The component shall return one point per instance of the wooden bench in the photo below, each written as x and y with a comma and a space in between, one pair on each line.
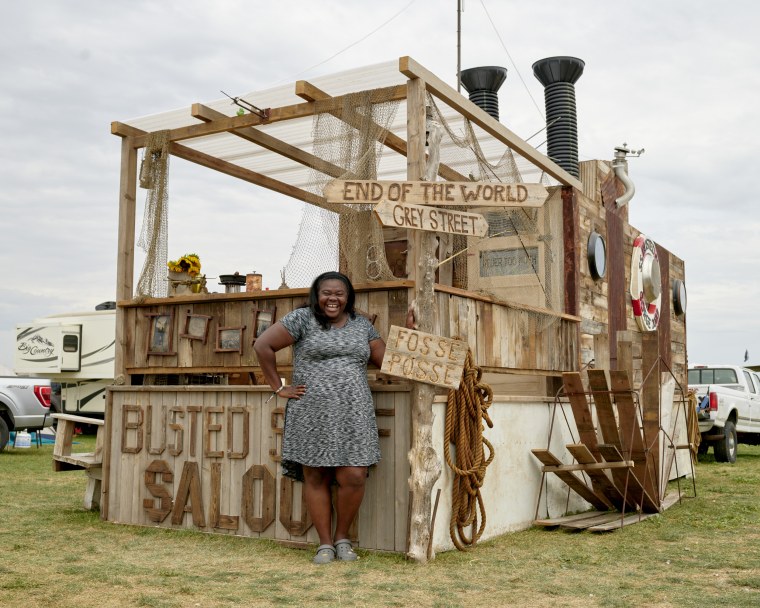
91, 462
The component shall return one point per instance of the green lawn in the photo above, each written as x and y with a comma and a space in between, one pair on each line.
704, 552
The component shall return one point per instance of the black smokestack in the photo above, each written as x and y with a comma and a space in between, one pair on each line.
559, 75
483, 85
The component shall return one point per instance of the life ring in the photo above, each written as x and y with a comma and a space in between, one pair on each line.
646, 283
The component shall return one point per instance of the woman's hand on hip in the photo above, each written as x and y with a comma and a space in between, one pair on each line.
292, 391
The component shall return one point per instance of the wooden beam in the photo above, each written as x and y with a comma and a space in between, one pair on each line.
623, 464
247, 175
125, 254
231, 169
308, 91
605, 412
231, 123
584, 421
576, 483
425, 463
599, 480
650, 406
122, 129
409, 67
265, 140
626, 481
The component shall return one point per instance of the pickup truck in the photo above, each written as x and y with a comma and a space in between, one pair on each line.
728, 408
24, 405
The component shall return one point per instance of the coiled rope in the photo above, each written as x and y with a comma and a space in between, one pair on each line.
466, 410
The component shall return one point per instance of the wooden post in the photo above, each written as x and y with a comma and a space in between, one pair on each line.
650, 407
125, 258
602, 351
625, 354
425, 464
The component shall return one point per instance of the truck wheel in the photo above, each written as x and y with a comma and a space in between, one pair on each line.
4, 435
725, 449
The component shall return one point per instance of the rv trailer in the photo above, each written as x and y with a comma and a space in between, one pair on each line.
75, 350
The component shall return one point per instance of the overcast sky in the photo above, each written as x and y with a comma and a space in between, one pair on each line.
679, 78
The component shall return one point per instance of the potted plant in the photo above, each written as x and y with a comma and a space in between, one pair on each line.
185, 275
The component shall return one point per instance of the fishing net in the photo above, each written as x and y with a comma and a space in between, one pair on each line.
154, 176
515, 262
350, 136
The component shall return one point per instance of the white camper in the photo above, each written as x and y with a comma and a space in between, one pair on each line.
75, 350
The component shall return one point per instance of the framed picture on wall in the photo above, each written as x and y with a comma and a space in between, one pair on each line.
196, 327
262, 320
229, 339
160, 340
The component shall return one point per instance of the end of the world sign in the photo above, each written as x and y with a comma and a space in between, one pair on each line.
470, 194
423, 357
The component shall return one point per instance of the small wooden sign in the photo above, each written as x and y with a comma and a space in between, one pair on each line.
415, 355
420, 217
476, 194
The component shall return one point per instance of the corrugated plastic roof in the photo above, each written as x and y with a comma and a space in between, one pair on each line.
298, 131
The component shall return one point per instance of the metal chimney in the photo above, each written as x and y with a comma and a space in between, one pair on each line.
483, 84
559, 75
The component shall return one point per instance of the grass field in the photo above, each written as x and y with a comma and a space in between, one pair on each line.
704, 552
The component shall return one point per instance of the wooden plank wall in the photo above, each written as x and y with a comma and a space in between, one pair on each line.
605, 306
196, 356
207, 458
508, 337
501, 336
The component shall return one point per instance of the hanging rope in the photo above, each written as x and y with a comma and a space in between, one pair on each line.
466, 410
692, 424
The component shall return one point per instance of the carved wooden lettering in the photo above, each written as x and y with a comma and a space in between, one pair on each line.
210, 428
175, 412
268, 498
130, 423
481, 194
296, 527
149, 432
423, 357
278, 415
193, 411
419, 217
231, 411
158, 490
216, 518
189, 489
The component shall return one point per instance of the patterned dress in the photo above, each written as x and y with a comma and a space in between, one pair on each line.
333, 424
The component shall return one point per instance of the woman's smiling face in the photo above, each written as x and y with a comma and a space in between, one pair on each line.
332, 296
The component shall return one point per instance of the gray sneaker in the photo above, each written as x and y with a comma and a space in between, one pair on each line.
325, 554
344, 551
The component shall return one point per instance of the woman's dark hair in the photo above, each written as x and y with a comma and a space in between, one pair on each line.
314, 296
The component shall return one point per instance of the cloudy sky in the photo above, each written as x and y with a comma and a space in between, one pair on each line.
679, 78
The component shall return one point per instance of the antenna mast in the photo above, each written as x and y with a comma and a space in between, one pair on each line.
459, 45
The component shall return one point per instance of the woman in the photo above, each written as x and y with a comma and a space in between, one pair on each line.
330, 428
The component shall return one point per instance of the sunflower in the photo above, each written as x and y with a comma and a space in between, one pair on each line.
189, 263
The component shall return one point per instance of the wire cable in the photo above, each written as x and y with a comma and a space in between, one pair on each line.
493, 25
353, 44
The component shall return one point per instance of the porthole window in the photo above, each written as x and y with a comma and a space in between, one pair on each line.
679, 297
597, 255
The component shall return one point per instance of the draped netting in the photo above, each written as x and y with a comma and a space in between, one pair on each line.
516, 261
348, 135
154, 176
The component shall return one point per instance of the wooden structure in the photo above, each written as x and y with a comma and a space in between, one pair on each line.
205, 457
91, 462
618, 452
